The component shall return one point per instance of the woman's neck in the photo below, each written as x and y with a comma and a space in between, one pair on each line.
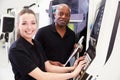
29, 40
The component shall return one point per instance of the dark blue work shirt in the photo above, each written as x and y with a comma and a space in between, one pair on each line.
57, 48
25, 57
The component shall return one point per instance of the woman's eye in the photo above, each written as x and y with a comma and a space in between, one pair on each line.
23, 23
33, 23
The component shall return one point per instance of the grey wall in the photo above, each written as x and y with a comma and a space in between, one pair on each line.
5, 4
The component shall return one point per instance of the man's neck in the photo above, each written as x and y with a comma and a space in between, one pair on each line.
61, 30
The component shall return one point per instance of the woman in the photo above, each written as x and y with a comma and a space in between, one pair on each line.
27, 58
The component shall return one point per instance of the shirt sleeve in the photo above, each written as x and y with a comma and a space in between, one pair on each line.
21, 61
40, 50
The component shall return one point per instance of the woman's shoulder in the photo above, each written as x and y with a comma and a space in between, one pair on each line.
18, 44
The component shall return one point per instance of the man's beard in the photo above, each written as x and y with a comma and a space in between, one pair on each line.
62, 24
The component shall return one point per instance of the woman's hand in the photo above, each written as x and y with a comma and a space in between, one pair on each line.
78, 65
56, 63
78, 60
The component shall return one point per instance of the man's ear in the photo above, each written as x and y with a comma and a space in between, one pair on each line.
54, 14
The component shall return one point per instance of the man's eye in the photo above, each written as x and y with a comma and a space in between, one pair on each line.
68, 15
61, 14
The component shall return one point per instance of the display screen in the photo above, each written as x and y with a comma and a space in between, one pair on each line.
8, 24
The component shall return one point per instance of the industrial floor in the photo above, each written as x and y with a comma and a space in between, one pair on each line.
5, 66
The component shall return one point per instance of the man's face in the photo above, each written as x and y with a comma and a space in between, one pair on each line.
62, 16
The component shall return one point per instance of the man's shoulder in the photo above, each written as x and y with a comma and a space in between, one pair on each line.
45, 28
70, 31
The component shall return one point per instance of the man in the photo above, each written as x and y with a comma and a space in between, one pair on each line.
57, 39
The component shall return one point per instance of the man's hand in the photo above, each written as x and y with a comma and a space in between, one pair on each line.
80, 47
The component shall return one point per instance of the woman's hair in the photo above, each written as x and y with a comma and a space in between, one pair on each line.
23, 11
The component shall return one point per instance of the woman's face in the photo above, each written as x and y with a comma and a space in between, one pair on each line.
27, 25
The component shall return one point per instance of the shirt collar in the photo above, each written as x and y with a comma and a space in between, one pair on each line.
53, 28
26, 43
